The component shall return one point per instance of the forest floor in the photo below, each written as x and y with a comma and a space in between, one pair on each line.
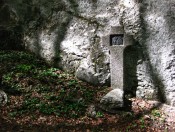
44, 98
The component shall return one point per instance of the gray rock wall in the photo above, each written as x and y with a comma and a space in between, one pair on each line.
82, 50
69, 34
160, 45
152, 25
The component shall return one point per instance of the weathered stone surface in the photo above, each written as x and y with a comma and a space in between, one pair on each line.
112, 101
3, 98
91, 111
69, 34
151, 24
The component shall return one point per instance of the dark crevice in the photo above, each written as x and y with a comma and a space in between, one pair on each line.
131, 57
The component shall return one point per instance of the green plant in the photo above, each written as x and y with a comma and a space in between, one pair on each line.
45, 108
31, 104
8, 80
44, 89
48, 73
156, 113
7, 77
128, 128
131, 126
72, 83
13, 114
23, 67
142, 121
99, 114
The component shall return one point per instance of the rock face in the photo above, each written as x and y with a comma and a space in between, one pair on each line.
68, 34
151, 24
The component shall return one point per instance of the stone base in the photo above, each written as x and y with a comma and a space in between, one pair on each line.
112, 101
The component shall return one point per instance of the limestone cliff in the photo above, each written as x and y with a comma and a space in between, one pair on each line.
68, 34
152, 24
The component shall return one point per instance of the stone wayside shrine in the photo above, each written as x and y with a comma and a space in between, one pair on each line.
116, 41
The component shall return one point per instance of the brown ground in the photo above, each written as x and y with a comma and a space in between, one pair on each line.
144, 116
147, 116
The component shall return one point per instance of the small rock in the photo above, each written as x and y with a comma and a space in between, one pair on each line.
42, 119
112, 100
91, 112
3, 98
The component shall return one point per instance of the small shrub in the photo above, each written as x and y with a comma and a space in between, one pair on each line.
99, 114
23, 68
156, 113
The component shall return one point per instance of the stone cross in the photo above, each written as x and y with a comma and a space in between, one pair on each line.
116, 41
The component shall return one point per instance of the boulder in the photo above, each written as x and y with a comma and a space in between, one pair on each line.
112, 101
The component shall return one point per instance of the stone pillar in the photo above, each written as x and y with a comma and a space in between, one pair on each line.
117, 56
117, 41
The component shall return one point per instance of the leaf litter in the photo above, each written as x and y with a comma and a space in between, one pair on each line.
43, 98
